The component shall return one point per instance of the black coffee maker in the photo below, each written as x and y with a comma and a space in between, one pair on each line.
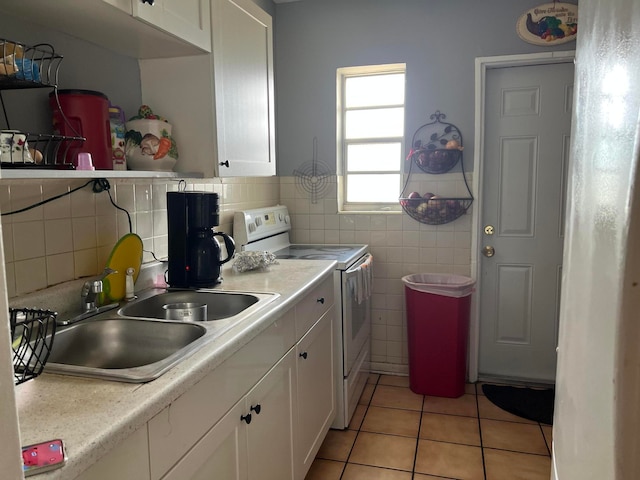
194, 253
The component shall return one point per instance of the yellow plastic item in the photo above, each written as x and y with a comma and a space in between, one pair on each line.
126, 253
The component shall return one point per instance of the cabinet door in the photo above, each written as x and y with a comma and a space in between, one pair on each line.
316, 391
220, 454
243, 69
129, 460
188, 20
270, 433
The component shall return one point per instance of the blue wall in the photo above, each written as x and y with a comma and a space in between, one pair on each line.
437, 39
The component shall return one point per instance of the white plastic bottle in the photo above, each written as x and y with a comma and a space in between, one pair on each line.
129, 293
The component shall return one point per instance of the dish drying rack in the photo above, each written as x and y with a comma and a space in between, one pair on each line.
25, 67
32, 334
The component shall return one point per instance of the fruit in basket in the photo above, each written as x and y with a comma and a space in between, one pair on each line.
422, 208
415, 199
428, 196
453, 145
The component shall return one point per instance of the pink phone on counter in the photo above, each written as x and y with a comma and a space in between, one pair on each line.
42, 457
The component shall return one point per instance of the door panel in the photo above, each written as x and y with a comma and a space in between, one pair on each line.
514, 311
517, 194
527, 128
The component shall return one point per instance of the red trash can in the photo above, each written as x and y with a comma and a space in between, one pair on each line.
438, 308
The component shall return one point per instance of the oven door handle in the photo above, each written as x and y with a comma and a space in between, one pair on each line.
358, 265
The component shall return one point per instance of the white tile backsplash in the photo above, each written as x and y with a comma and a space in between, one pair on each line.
60, 208
83, 202
72, 236
59, 268
30, 275
400, 246
58, 236
28, 240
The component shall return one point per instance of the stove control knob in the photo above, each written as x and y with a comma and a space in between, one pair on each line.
258, 221
280, 217
252, 227
287, 219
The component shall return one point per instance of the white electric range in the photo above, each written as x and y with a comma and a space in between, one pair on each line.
268, 229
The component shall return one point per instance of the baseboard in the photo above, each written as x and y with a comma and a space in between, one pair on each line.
496, 379
389, 368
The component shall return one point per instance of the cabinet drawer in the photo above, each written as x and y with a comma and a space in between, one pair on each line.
179, 426
313, 306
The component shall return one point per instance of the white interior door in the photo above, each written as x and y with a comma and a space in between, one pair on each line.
527, 129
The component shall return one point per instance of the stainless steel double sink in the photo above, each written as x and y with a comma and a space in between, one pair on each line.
137, 343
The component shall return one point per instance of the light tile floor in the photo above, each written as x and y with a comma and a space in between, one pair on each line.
396, 434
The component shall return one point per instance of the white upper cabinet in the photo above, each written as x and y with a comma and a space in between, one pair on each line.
243, 66
168, 28
186, 19
222, 105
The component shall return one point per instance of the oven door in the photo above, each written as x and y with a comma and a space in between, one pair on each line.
356, 316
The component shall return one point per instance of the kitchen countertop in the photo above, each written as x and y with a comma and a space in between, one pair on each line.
92, 416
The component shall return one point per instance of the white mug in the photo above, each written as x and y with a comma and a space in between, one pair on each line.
14, 147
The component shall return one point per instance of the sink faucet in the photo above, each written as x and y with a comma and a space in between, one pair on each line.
91, 289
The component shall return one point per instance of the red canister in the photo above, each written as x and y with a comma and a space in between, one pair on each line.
83, 113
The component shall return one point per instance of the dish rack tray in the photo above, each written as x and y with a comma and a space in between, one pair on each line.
32, 333
26, 67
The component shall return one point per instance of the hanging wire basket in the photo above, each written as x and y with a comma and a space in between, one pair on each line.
428, 155
436, 147
32, 333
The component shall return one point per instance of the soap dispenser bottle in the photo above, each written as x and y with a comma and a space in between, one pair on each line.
128, 286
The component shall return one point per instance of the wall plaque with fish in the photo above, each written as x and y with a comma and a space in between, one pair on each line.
549, 24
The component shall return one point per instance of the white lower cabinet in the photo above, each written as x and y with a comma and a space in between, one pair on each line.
128, 461
220, 454
254, 440
260, 415
272, 407
316, 391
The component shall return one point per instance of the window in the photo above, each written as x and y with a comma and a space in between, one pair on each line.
370, 136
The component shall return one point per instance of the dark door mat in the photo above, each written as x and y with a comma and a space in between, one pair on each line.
530, 403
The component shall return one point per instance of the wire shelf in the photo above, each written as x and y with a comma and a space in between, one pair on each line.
22, 67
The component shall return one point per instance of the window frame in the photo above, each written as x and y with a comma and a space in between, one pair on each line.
342, 143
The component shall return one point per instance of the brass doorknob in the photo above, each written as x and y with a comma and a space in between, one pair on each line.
488, 251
